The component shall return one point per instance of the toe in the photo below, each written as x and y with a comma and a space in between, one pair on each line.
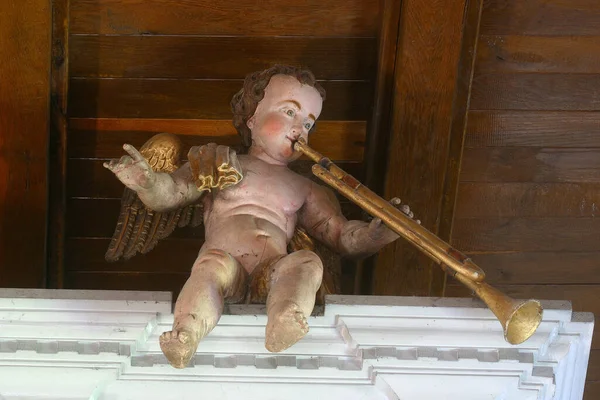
165, 337
183, 337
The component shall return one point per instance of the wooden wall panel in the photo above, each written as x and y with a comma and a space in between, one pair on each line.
564, 54
533, 129
220, 17
533, 91
25, 45
169, 66
541, 17
539, 268
218, 57
531, 164
529, 192
527, 234
508, 200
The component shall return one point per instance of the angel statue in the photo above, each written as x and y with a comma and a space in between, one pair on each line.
253, 208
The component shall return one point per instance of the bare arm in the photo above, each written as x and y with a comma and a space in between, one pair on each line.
159, 191
171, 191
322, 218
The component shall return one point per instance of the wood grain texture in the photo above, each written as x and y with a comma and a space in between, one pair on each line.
219, 57
533, 129
532, 91
592, 390
196, 99
541, 17
220, 17
539, 268
89, 179
25, 45
527, 234
169, 256
338, 139
377, 145
425, 89
531, 164
57, 146
378, 138
593, 372
505, 200
564, 54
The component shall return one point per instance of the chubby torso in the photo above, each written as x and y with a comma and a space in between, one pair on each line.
254, 220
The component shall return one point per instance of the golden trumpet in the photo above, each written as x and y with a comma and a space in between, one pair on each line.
519, 319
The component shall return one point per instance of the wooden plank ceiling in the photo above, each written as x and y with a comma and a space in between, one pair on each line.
141, 68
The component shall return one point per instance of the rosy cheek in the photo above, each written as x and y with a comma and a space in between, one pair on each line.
273, 126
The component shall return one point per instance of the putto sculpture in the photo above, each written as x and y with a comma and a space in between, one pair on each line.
259, 217
252, 206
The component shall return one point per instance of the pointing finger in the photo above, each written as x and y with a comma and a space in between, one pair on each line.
133, 152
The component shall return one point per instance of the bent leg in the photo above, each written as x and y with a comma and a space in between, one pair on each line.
216, 276
294, 282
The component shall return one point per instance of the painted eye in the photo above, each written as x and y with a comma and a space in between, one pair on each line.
307, 126
290, 113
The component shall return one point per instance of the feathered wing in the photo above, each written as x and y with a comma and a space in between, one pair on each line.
139, 228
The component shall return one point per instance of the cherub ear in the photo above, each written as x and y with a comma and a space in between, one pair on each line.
250, 123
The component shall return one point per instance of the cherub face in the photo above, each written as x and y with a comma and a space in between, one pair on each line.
287, 112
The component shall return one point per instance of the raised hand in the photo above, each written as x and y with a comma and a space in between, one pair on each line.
377, 229
132, 170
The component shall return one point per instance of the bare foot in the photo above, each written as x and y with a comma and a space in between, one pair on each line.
179, 347
286, 326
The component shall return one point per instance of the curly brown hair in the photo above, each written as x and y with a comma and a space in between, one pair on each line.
244, 102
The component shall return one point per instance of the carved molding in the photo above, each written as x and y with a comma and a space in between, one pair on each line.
104, 345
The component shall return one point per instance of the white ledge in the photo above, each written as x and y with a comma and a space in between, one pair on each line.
63, 344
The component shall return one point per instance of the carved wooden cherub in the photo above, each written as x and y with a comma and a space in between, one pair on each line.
249, 217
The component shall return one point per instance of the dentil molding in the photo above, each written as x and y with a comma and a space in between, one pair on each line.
69, 344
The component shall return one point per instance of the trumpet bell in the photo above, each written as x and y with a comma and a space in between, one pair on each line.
519, 319
523, 321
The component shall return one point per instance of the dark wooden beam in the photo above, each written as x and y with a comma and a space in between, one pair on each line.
378, 125
58, 142
24, 97
433, 71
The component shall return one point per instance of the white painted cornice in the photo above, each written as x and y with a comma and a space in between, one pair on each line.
61, 344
